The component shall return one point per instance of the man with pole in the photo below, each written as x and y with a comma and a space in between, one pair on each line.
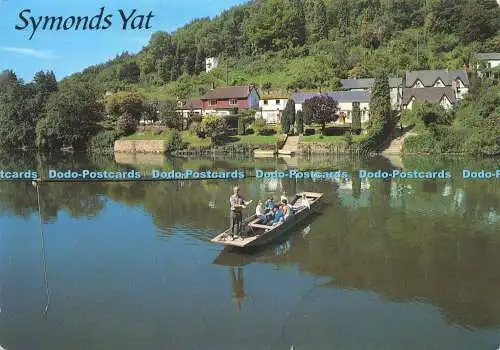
237, 204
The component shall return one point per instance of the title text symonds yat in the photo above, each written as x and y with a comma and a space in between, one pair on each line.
129, 19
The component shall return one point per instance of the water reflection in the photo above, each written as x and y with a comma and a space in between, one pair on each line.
237, 287
405, 240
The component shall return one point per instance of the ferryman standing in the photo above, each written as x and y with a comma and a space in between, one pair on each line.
237, 205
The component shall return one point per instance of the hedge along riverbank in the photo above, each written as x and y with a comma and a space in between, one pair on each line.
323, 148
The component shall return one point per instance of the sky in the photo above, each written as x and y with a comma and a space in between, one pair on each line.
67, 52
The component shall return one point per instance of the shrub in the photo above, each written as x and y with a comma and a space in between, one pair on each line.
214, 126
103, 141
126, 125
174, 141
259, 125
267, 132
249, 131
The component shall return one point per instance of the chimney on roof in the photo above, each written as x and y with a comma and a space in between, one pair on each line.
409, 68
466, 68
213, 85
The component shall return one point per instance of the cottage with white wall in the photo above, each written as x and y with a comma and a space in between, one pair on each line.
445, 96
345, 100
271, 108
366, 84
457, 80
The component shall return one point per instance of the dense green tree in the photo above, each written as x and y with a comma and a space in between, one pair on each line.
151, 111
73, 114
214, 126
480, 20
169, 115
356, 118
287, 116
321, 109
130, 73
125, 109
380, 125
164, 68
300, 122
318, 29
199, 66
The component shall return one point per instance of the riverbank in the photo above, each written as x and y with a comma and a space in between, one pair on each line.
239, 144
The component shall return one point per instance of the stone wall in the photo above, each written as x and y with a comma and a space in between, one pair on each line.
308, 148
140, 146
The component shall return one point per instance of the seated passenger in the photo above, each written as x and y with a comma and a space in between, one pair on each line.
269, 204
278, 215
261, 213
287, 210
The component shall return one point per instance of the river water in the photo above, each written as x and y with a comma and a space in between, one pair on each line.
387, 264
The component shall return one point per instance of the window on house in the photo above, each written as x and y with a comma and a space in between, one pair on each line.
266, 102
232, 102
278, 102
213, 102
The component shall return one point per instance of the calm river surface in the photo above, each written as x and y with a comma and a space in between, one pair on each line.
388, 264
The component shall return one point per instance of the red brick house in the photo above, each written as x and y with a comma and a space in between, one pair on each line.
224, 100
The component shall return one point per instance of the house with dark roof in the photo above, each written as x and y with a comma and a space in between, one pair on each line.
366, 84
226, 99
345, 100
457, 80
445, 96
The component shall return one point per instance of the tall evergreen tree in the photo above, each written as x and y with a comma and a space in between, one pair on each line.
199, 60
319, 19
356, 118
176, 65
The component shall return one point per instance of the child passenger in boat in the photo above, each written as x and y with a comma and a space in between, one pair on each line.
261, 213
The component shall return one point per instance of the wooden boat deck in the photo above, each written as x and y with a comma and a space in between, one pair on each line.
253, 231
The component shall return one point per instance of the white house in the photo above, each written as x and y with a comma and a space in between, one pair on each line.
491, 59
395, 85
345, 100
211, 63
445, 96
271, 108
457, 80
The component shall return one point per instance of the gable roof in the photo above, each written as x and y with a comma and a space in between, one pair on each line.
429, 77
339, 96
431, 95
367, 83
490, 56
237, 92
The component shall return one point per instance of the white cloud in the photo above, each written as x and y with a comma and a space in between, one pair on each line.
29, 52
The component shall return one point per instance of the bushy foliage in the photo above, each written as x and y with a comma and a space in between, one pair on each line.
300, 122
169, 115
103, 141
174, 141
214, 126
259, 125
321, 110
381, 123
